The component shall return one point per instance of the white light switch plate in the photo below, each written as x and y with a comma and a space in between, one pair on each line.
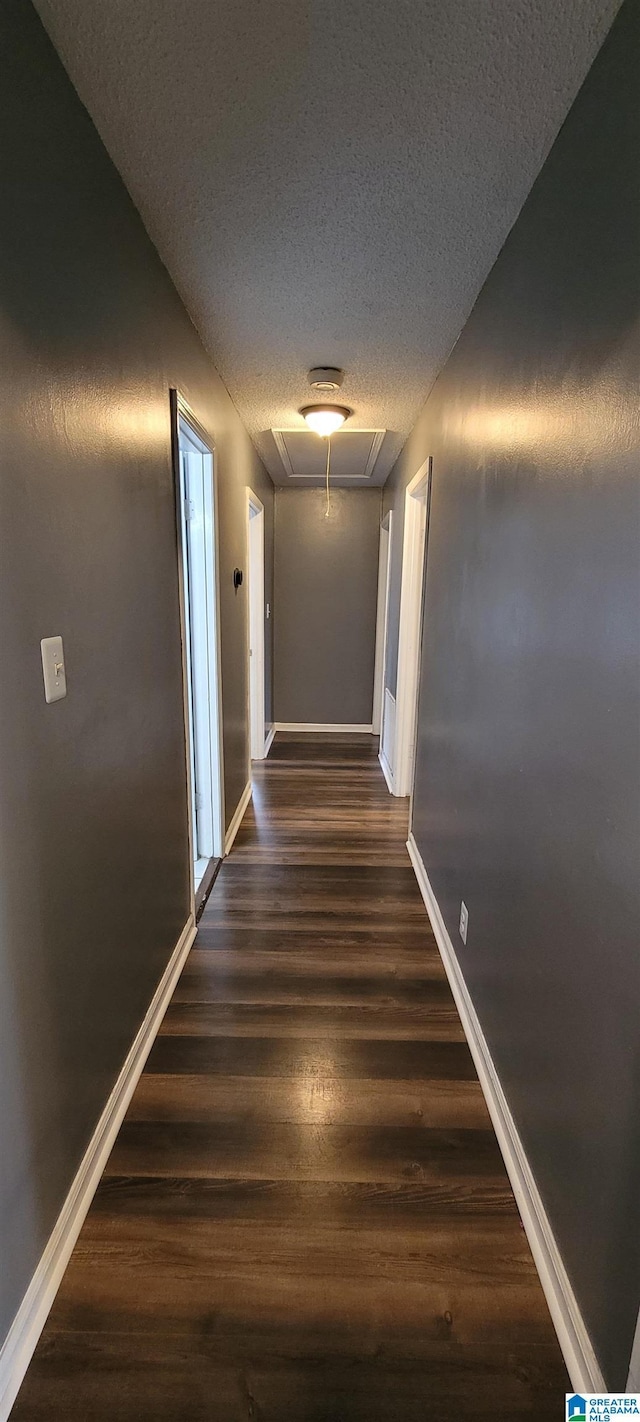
464, 921
55, 681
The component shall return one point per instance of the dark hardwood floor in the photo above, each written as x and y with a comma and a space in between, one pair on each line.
305, 1216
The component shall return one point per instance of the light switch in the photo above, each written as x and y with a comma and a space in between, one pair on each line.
55, 681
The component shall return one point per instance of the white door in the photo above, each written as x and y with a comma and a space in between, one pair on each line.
201, 645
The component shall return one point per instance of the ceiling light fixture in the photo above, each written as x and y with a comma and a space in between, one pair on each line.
324, 420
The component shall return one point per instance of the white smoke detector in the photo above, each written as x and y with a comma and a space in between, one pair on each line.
325, 379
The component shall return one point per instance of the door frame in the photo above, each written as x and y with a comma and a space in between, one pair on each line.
414, 548
181, 410
256, 679
382, 619
633, 1380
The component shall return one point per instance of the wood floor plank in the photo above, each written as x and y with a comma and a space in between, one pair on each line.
402, 1205
209, 983
322, 1058
133, 1294
463, 1258
305, 1217
303, 1151
307, 1101
376, 969
391, 954
170, 1379
366, 1021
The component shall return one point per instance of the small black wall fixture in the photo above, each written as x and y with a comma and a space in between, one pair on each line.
237, 578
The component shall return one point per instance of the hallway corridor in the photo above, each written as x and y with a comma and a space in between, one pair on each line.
306, 1217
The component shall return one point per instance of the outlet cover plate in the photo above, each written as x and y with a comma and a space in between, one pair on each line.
53, 671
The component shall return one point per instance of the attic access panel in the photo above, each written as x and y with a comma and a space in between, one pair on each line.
353, 453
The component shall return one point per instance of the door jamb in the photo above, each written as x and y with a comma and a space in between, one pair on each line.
382, 620
410, 628
179, 408
633, 1380
256, 715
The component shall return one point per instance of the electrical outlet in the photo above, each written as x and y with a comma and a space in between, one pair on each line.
464, 921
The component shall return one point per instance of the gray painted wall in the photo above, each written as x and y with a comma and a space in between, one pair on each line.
326, 579
526, 798
93, 833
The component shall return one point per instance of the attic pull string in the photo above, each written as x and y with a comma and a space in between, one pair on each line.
326, 512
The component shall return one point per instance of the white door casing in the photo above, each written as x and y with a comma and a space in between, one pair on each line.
199, 604
255, 620
410, 628
384, 565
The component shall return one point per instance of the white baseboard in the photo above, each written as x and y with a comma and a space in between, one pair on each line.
237, 818
386, 771
332, 727
578, 1351
31, 1317
269, 742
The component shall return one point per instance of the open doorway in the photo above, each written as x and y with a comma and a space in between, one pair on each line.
200, 636
399, 732
255, 566
382, 620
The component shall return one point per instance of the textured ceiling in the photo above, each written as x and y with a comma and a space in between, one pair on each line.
328, 183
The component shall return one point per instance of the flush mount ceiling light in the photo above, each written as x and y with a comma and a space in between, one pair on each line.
325, 419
